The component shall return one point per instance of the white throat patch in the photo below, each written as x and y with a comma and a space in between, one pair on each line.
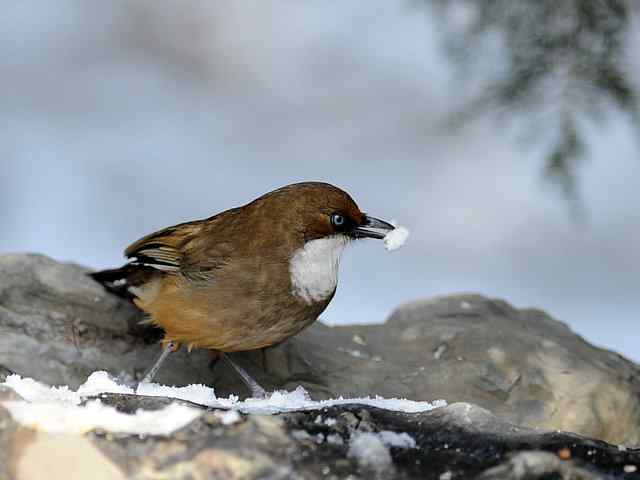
314, 268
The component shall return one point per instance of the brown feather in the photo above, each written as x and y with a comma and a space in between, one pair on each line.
224, 283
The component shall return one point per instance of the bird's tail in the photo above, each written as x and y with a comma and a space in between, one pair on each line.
119, 280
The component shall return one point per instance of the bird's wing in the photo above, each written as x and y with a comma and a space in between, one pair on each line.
203, 255
164, 249
194, 250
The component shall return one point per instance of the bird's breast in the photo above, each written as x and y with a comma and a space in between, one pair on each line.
314, 268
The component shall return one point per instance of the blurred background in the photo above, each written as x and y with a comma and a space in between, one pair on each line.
503, 134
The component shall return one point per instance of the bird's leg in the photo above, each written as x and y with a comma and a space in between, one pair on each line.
265, 365
256, 390
167, 349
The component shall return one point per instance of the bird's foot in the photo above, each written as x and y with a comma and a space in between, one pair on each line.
256, 390
168, 348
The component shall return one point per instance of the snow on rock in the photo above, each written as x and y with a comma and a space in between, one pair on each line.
397, 440
370, 452
101, 382
396, 238
195, 393
279, 401
228, 417
33, 391
299, 400
58, 409
74, 419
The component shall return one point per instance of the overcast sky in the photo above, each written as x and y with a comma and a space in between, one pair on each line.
121, 118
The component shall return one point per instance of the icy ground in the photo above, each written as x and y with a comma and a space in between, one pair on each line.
61, 410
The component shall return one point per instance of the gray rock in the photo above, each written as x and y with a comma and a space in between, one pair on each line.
519, 364
57, 325
460, 441
4, 373
536, 464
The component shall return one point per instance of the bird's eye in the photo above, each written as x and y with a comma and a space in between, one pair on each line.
338, 220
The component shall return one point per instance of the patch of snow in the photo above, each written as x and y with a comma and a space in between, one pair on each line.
58, 410
396, 238
33, 391
228, 417
279, 401
299, 400
101, 382
195, 393
334, 439
45, 406
62, 417
370, 452
283, 401
329, 422
397, 440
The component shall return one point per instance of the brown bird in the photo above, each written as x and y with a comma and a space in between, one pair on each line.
246, 278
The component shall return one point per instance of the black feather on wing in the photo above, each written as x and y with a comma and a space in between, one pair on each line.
173, 250
118, 280
163, 250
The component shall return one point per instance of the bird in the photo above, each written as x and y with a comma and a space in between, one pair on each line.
246, 278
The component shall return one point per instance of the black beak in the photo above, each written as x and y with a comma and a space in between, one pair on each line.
372, 227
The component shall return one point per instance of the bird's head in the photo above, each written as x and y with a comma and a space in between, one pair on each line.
323, 219
320, 210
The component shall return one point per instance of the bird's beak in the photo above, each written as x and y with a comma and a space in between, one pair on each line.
372, 227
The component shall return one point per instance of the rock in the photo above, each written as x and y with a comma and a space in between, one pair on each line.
57, 326
4, 373
53, 313
461, 441
526, 465
520, 364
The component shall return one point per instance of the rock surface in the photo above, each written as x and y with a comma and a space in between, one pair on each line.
460, 441
57, 326
515, 367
